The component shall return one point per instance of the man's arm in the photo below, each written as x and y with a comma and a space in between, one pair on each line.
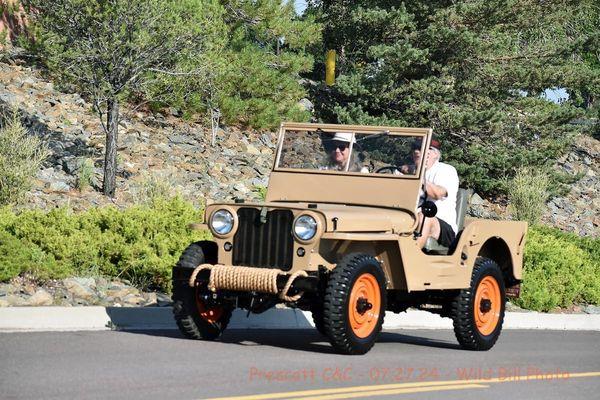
434, 191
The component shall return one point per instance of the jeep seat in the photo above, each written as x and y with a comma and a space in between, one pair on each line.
462, 203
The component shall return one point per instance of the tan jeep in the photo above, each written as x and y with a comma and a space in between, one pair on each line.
338, 237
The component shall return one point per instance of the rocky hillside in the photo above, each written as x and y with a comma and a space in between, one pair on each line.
156, 152
161, 153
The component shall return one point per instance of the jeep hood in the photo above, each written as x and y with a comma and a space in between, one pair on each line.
343, 218
340, 218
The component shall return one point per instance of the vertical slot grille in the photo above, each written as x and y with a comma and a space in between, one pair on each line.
264, 245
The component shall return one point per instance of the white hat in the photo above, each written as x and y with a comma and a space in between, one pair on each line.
343, 137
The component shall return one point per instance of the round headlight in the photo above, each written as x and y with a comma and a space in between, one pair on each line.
221, 222
305, 227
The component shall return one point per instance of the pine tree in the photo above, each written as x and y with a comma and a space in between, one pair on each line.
474, 71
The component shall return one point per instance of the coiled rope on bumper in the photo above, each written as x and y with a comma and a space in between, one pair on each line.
247, 279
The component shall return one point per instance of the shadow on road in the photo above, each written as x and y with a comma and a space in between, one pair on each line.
393, 337
247, 330
308, 340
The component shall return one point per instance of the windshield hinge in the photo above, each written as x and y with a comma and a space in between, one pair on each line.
263, 215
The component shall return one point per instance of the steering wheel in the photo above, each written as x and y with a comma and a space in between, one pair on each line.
389, 169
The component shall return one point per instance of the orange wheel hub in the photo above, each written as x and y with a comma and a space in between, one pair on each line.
364, 306
487, 305
209, 314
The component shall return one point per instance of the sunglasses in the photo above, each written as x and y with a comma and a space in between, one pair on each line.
340, 146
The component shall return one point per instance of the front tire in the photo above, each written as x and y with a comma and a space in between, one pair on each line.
194, 318
478, 312
317, 316
355, 304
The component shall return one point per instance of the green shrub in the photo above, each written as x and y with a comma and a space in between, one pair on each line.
17, 258
139, 244
21, 156
527, 194
559, 269
85, 174
152, 188
261, 191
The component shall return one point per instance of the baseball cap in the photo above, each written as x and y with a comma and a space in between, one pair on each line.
343, 137
435, 143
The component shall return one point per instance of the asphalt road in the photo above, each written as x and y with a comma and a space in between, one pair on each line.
286, 363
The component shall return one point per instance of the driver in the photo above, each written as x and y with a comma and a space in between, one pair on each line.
441, 185
338, 153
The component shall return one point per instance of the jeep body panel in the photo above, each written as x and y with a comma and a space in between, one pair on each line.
387, 235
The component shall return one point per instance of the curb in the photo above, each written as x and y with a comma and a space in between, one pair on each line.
40, 319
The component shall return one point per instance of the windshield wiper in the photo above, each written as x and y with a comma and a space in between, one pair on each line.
375, 135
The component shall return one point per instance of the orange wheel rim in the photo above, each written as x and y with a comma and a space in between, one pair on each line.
364, 306
487, 305
209, 314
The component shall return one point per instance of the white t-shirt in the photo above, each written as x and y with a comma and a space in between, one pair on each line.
445, 175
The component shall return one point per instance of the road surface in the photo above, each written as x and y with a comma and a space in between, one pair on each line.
411, 364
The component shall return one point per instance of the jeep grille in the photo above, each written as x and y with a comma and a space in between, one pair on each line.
265, 245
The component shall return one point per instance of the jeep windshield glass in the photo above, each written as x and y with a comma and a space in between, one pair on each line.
348, 152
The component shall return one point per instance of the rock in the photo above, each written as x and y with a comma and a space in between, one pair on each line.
79, 290
511, 307
163, 147
266, 139
89, 282
181, 139
7, 288
260, 182
591, 309
151, 299
250, 149
163, 300
3, 303
229, 152
175, 112
476, 200
123, 292
306, 105
60, 186
133, 300
71, 165
240, 187
101, 282
14, 300
41, 298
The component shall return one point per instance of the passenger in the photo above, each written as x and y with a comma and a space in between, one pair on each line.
338, 153
441, 185
411, 169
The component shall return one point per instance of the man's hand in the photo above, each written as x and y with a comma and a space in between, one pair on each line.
434, 191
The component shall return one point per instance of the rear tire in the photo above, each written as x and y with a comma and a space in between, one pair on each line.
355, 304
194, 319
478, 312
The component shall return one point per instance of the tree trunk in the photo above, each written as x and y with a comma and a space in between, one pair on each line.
110, 156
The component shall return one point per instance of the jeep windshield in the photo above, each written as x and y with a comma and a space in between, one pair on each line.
349, 152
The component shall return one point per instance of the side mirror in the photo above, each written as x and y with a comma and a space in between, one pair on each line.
429, 209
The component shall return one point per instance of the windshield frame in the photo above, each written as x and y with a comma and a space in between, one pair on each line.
354, 129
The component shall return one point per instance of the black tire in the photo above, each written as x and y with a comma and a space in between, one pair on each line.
317, 316
468, 334
336, 306
186, 305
